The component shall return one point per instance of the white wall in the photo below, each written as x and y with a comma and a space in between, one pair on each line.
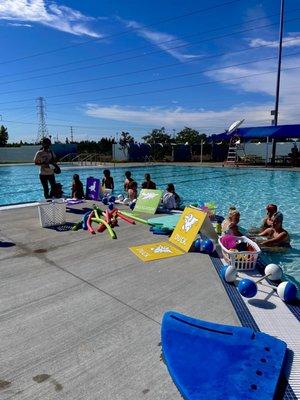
259, 149
118, 154
18, 154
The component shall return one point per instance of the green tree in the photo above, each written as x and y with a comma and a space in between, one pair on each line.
190, 136
125, 139
3, 136
157, 136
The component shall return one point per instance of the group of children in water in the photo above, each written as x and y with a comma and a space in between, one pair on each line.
271, 232
170, 200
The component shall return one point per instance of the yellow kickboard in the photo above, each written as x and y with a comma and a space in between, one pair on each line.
155, 251
187, 228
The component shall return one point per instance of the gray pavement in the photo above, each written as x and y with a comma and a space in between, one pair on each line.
80, 314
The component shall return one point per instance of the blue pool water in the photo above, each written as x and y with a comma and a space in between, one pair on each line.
250, 190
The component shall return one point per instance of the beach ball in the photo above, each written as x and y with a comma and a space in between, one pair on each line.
247, 288
287, 291
274, 271
229, 273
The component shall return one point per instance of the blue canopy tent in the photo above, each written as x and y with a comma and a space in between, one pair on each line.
276, 133
272, 132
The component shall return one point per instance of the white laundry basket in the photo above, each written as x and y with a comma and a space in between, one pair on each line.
52, 213
241, 260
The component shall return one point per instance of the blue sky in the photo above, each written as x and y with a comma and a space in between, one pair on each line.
108, 66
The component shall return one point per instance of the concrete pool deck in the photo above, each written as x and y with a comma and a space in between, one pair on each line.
80, 314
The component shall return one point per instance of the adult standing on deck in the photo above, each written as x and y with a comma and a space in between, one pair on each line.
45, 158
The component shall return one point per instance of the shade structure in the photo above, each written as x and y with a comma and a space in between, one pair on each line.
272, 132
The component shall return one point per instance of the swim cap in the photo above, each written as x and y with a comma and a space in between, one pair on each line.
271, 208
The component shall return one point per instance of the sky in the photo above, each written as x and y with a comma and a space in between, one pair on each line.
104, 67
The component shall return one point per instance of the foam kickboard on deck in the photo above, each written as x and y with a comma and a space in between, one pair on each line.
190, 223
213, 361
156, 251
148, 201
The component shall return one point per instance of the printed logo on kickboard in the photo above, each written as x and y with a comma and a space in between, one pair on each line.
184, 234
148, 201
187, 228
156, 251
92, 188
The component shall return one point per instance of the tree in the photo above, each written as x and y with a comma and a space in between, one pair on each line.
125, 139
124, 142
3, 136
190, 136
157, 136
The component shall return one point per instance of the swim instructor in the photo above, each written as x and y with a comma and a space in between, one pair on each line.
45, 158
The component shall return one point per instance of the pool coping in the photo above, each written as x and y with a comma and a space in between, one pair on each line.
244, 314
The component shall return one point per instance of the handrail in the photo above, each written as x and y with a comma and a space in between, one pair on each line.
66, 156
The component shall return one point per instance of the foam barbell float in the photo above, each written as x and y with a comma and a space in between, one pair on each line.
287, 291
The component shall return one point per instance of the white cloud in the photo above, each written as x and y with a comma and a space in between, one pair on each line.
20, 25
158, 38
210, 120
56, 16
290, 41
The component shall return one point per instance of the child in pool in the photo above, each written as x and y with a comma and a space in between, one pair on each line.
230, 224
170, 199
127, 181
107, 181
276, 236
267, 221
148, 184
132, 190
77, 188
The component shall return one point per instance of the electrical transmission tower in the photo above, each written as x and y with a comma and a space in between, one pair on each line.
41, 113
72, 134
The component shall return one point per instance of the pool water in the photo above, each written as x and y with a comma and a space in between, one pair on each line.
250, 190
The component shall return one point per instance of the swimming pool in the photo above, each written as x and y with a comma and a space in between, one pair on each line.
250, 190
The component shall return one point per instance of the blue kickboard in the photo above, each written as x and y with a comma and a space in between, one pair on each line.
218, 362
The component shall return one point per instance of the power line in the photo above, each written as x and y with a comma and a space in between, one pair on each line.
141, 55
90, 127
125, 32
145, 46
179, 87
140, 70
155, 80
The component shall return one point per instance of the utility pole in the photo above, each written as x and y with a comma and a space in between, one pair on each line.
278, 78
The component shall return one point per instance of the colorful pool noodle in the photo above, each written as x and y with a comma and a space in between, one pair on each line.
111, 232
128, 220
89, 223
84, 220
77, 226
101, 228
134, 217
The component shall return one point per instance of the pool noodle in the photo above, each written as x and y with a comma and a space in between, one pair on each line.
111, 232
84, 220
135, 218
128, 220
89, 223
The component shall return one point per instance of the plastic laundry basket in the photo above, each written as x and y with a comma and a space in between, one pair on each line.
52, 213
241, 260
